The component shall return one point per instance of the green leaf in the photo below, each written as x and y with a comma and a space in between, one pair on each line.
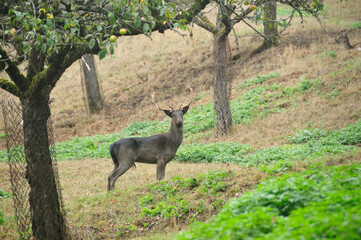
111, 49
91, 43
137, 22
111, 18
102, 53
146, 28
43, 47
49, 23
172, 5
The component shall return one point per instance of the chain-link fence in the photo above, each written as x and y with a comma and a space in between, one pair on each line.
13, 124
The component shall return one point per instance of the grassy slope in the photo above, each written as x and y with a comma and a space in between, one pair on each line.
306, 53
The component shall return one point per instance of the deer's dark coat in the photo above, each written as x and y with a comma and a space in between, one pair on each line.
158, 149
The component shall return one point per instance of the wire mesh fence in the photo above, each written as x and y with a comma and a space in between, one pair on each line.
13, 123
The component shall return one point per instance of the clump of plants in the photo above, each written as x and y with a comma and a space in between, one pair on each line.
3, 195
310, 205
247, 156
349, 135
166, 199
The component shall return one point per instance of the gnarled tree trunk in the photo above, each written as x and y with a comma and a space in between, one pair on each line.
48, 221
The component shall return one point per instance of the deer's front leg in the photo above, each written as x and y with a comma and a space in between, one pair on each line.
160, 169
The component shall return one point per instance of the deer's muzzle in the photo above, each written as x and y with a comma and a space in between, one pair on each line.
179, 122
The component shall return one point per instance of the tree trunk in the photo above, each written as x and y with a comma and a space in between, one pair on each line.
269, 28
270, 25
94, 97
220, 82
48, 220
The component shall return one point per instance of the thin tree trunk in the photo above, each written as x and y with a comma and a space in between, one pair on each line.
270, 26
270, 29
94, 97
48, 221
220, 81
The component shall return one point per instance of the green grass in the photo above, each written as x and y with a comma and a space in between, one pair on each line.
166, 199
349, 135
3, 195
247, 156
310, 205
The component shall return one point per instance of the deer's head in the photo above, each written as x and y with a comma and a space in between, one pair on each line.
175, 114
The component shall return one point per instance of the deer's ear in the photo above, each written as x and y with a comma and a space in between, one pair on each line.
168, 113
185, 109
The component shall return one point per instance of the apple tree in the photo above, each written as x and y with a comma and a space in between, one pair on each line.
231, 12
39, 41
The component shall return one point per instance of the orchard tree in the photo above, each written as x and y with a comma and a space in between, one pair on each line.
39, 40
90, 83
270, 28
231, 12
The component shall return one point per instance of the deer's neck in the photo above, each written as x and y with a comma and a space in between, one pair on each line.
175, 135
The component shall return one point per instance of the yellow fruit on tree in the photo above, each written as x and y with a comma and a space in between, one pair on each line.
13, 31
113, 38
246, 3
122, 31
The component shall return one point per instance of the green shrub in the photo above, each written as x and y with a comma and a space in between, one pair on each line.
337, 217
310, 205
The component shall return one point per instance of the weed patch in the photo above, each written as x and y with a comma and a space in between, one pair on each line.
247, 156
3, 195
349, 135
313, 204
166, 199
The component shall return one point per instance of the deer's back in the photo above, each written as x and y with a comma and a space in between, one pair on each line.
144, 149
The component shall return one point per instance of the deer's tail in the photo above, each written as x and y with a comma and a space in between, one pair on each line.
114, 157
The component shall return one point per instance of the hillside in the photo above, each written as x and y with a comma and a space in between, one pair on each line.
296, 107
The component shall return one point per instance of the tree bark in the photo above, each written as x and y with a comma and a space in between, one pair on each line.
270, 25
220, 82
48, 220
269, 28
94, 97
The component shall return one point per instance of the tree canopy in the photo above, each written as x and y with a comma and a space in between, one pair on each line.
51, 35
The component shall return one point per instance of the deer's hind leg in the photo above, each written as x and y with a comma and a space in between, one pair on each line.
116, 173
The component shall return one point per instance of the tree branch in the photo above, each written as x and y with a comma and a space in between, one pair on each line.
9, 87
12, 70
203, 21
46, 80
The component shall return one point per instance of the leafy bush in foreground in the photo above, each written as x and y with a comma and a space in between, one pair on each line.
310, 205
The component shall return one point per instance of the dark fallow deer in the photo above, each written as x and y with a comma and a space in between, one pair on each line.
346, 43
158, 149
